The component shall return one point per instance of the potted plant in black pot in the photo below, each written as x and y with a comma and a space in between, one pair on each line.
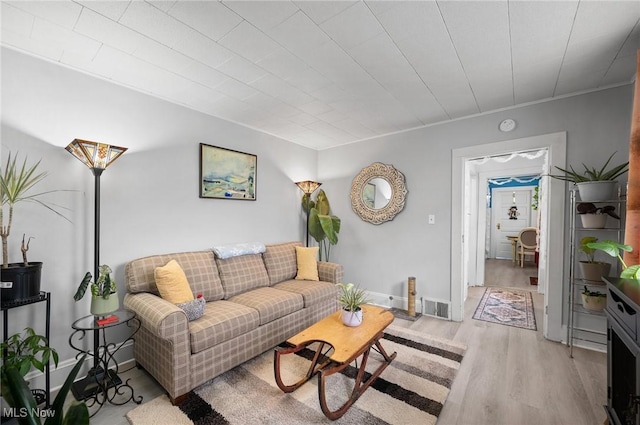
17, 182
595, 184
592, 270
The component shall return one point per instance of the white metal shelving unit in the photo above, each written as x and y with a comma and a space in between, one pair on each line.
589, 327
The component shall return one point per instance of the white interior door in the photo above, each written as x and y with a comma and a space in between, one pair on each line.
510, 213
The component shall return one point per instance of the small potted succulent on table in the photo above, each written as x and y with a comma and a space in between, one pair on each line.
351, 298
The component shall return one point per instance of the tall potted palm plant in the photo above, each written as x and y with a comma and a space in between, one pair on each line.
17, 181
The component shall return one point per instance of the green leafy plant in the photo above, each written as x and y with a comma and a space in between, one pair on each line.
24, 352
17, 394
589, 293
591, 174
16, 185
614, 249
103, 287
352, 296
588, 251
323, 226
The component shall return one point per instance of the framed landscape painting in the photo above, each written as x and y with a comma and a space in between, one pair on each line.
227, 174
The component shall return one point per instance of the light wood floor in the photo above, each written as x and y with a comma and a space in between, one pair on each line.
508, 376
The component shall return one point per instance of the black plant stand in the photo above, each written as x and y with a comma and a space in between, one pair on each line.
6, 306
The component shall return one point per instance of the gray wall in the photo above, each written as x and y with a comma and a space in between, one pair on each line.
381, 257
150, 202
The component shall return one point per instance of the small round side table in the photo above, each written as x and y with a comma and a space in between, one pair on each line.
102, 384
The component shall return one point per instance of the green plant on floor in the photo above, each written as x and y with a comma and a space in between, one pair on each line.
18, 395
323, 226
614, 249
24, 352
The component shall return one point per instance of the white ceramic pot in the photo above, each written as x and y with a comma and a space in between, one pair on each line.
597, 191
594, 303
101, 306
593, 221
352, 318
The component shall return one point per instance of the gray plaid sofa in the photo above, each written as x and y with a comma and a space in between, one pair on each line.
253, 304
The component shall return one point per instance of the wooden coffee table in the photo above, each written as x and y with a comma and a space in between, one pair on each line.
345, 345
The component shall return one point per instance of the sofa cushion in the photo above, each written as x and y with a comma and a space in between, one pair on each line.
222, 321
280, 261
241, 274
172, 283
271, 303
307, 259
312, 292
199, 267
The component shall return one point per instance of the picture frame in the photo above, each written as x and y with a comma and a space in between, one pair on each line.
227, 174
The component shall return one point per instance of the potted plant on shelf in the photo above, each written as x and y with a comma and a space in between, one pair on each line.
351, 298
614, 248
594, 184
593, 217
104, 298
26, 352
593, 300
19, 280
592, 270
323, 226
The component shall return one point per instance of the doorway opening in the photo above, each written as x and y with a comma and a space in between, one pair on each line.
469, 223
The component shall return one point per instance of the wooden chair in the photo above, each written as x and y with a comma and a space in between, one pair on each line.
527, 243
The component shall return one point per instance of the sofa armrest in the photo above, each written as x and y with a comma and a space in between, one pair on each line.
330, 272
158, 316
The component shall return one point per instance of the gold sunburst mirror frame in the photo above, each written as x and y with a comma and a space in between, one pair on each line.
367, 181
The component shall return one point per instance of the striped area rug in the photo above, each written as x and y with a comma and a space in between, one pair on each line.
413, 389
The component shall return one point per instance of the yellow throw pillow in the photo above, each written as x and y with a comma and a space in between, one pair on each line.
172, 283
307, 263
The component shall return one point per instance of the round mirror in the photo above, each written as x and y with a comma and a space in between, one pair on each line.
378, 193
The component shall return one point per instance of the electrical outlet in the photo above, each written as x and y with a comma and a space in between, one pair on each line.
432, 219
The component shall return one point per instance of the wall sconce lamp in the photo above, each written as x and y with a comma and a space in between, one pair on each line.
308, 187
96, 156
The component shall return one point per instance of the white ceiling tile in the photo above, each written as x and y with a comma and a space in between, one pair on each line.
298, 34
303, 118
204, 75
355, 128
352, 26
632, 43
50, 32
262, 100
320, 11
211, 18
162, 56
104, 30
40, 48
241, 69
263, 14
282, 64
308, 80
249, 42
315, 108
280, 89
156, 24
595, 19
203, 49
110, 9
236, 89
15, 20
62, 13
619, 70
